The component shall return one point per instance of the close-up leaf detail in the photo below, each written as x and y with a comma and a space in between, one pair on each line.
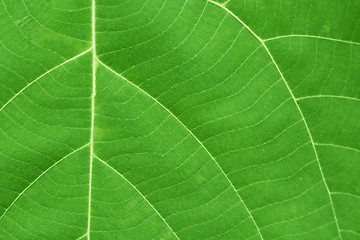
180, 119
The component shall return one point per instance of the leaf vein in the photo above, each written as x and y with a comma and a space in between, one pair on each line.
202, 145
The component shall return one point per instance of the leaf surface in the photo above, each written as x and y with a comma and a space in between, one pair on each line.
179, 119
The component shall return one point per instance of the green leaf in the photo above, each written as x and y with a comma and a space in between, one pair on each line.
155, 119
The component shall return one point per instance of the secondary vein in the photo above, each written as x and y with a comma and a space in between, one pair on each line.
294, 99
192, 134
42, 174
42, 75
137, 190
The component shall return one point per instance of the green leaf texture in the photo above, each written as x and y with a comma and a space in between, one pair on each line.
180, 119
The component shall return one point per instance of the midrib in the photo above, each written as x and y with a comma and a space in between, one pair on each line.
92, 109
